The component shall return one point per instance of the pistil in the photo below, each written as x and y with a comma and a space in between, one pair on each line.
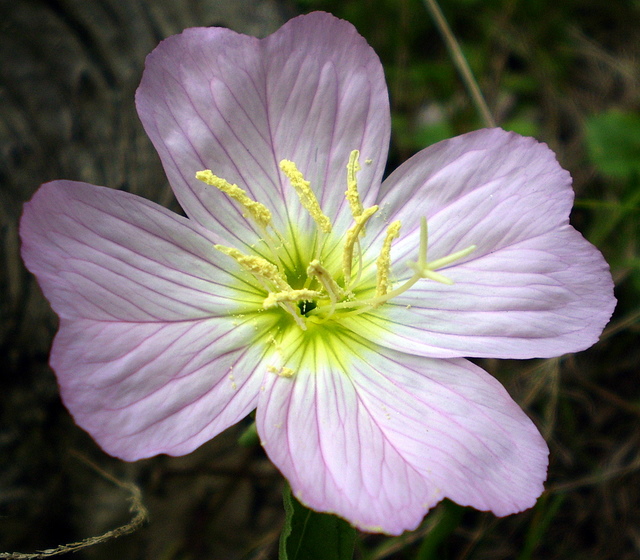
423, 269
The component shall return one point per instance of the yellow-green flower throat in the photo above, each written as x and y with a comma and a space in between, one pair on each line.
316, 293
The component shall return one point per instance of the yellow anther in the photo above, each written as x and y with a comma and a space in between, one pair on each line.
306, 195
334, 291
289, 296
268, 275
282, 372
352, 195
259, 212
259, 267
384, 260
352, 237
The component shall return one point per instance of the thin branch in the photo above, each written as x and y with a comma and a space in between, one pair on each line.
460, 62
139, 518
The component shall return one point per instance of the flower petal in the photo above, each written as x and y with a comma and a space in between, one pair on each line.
316, 430
141, 389
147, 347
311, 92
488, 188
380, 439
458, 427
533, 287
539, 298
499, 170
104, 254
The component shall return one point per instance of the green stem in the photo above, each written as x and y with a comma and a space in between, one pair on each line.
460, 62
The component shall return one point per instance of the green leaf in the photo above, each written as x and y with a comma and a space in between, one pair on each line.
524, 125
309, 535
250, 437
545, 511
609, 215
450, 515
613, 143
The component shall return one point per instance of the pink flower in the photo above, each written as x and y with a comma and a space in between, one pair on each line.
337, 316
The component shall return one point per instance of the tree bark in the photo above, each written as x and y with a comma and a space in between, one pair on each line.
68, 73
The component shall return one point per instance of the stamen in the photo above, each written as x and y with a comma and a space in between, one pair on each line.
334, 291
306, 195
289, 296
265, 272
328, 301
352, 195
384, 260
259, 212
259, 267
352, 238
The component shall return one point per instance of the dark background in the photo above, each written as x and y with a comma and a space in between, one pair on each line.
566, 72
68, 74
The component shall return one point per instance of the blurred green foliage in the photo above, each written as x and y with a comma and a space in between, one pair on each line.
613, 143
612, 140
309, 535
525, 54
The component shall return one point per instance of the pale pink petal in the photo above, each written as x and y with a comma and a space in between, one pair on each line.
532, 288
147, 349
379, 439
104, 254
145, 388
458, 427
490, 167
311, 92
317, 431
542, 297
